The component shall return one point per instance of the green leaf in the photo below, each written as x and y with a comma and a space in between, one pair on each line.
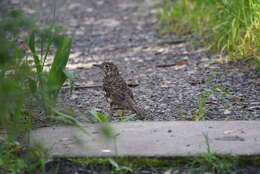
100, 117
62, 117
57, 76
117, 166
128, 118
126, 168
36, 59
114, 164
31, 43
107, 131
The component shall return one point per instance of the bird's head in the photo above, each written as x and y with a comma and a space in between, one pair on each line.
108, 67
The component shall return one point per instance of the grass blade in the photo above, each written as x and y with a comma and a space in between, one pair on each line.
57, 76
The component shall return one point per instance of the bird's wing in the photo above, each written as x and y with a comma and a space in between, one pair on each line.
121, 84
107, 88
117, 88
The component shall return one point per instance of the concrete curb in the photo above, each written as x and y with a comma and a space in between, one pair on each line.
153, 139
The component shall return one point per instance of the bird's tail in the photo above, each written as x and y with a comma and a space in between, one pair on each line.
139, 112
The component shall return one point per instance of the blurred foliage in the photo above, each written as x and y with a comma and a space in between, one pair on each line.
15, 159
105, 118
14, 72
26, 81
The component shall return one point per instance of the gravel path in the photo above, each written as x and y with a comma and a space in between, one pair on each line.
171, 73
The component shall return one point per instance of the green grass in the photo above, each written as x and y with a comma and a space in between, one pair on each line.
229, 27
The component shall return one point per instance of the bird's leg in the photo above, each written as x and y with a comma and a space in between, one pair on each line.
140, 114
111, 109
123, 113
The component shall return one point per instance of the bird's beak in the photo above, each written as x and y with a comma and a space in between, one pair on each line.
97, 65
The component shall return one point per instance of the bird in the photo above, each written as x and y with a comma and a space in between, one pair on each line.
117, 92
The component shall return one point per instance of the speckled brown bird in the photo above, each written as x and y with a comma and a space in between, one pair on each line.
116, 90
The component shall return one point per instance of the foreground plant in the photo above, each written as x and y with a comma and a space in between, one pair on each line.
28, 88
213, 163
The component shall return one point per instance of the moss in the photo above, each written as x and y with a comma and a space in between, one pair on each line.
253, 160
192, 165
132, 162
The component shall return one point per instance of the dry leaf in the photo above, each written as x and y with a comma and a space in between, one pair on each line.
180, 63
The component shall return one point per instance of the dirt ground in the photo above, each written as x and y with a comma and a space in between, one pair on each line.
170, 73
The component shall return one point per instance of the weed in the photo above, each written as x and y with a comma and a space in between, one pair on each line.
46, 85
201, 113
209, 91
212, 162
23, 79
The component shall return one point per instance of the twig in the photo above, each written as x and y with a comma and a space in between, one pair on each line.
132, 85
